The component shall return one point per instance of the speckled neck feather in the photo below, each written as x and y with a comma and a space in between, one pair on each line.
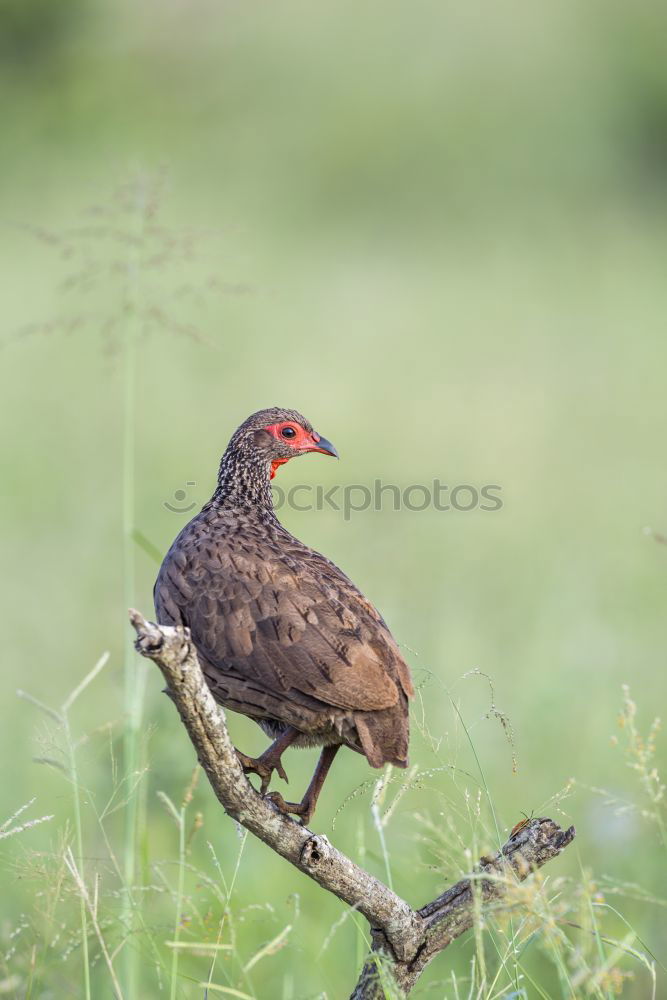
244, 480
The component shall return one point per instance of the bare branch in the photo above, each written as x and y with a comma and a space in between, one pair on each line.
404, 939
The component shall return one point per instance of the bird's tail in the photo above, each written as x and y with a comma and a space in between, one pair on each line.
384, 736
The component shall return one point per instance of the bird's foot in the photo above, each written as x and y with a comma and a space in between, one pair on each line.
264, 766
304, 810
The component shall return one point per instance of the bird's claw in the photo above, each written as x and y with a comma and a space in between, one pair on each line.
264, 766
281, 772
301, 809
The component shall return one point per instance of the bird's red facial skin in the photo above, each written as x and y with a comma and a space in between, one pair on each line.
302, 441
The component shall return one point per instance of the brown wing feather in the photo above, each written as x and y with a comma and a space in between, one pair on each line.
281, 615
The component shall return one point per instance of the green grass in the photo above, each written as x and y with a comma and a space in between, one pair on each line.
559, 936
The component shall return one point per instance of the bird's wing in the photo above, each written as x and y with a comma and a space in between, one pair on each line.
285, 620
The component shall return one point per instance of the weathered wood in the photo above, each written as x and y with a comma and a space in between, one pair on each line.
404, 940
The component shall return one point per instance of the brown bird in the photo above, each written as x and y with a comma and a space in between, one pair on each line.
282, 634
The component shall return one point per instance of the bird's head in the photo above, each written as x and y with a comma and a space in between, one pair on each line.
277, 435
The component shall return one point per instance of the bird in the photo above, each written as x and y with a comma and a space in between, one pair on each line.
283, 636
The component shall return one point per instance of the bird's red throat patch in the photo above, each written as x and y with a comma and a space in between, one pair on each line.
275, 465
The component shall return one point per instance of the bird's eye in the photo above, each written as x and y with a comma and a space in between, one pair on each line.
288, 432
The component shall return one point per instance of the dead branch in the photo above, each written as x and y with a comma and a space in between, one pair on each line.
404, 940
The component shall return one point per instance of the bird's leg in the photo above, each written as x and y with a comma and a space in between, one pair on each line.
306, 807
269, 761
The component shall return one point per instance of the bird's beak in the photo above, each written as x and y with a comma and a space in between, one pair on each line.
321, 445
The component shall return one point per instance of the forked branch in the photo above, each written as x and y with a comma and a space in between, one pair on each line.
404, 940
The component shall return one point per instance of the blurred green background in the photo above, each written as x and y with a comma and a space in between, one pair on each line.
439, 231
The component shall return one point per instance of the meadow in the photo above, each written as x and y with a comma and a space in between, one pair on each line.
439, 232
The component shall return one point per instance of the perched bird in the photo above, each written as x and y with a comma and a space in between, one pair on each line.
283, 636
